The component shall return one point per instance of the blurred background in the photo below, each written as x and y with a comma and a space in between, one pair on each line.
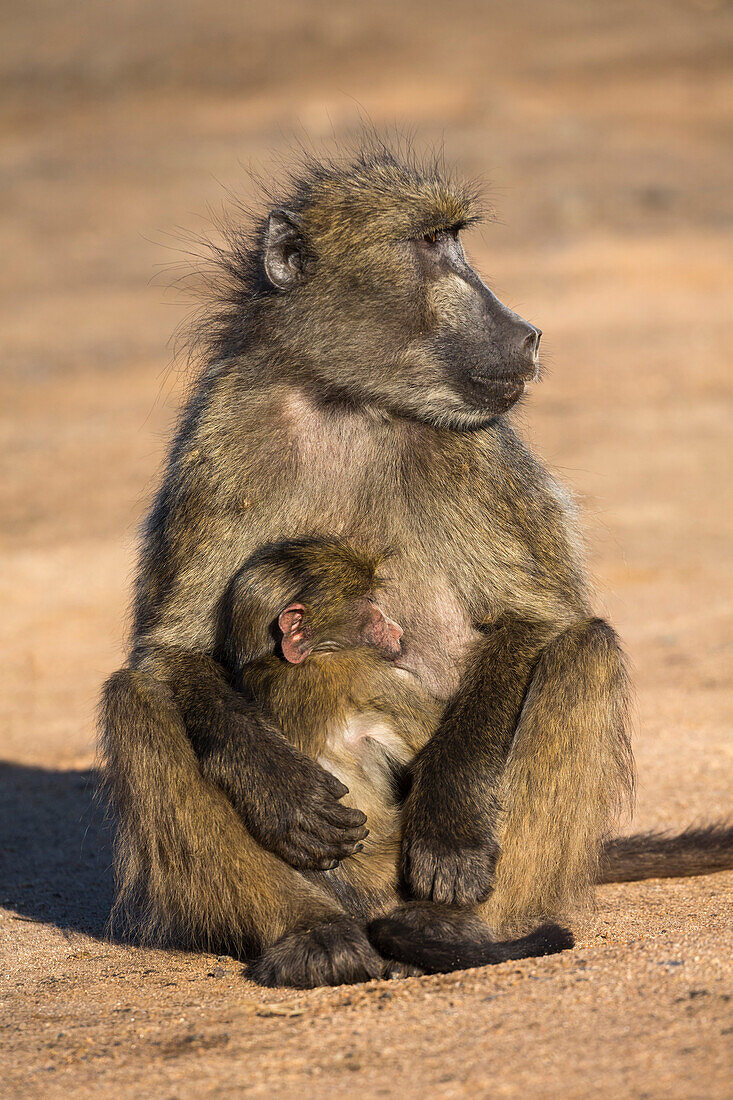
603, 132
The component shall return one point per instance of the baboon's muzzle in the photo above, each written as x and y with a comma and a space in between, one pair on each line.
501, 354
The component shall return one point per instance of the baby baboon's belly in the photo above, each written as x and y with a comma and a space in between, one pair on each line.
367, 755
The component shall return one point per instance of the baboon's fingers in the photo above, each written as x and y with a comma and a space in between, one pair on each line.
336, 821
451, 876
309, 852
336, 849
335, 832
334, 786
344, 817
339, 836
325, 864
342, 848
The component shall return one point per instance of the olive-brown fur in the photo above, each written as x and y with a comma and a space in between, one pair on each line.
366, 400
363, 718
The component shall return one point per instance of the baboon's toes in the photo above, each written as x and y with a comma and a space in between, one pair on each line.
396, 970
333, 952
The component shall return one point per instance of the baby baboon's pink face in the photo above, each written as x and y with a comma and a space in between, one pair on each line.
380, 632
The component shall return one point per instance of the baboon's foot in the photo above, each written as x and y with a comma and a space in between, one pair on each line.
439, 939
394, 970
335, 952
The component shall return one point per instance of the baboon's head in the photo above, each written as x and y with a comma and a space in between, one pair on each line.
361, 281
307, 594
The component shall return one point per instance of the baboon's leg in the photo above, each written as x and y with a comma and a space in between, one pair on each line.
569, 771
286, 800
190, 870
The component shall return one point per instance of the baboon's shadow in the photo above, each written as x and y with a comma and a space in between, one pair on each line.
55, 848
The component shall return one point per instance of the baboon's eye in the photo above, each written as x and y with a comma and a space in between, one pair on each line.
436, 235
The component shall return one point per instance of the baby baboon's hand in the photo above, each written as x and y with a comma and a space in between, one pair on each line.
290, 805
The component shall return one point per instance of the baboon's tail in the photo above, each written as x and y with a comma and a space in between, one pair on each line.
440, 940
699, 850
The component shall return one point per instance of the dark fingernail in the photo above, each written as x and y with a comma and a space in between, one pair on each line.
359, 848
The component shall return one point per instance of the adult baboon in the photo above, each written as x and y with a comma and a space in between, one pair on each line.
357, 383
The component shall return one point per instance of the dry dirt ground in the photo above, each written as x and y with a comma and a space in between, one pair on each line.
605, 130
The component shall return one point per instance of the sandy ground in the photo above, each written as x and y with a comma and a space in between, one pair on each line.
605, 130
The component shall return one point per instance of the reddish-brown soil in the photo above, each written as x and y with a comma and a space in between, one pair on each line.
605, 130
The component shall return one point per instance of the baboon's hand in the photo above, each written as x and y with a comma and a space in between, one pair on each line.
290, 805
449, 873
446, 859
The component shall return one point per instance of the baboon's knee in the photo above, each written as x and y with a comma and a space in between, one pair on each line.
601, 639
129, 685
592, 637
133, 700
589, 663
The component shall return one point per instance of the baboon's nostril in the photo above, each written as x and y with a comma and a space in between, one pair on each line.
532, 342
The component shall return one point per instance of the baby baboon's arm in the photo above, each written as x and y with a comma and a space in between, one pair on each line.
288, 802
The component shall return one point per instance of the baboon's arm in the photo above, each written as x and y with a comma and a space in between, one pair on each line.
555, 729
288, 802
450, 847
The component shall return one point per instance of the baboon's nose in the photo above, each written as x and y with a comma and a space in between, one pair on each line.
532, 342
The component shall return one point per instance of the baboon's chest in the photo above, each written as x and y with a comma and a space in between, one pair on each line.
469, 538
367, 484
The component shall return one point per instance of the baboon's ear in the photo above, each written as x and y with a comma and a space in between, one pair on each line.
283, 249
292, 623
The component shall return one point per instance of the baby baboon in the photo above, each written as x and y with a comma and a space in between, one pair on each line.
357, 383
331, 682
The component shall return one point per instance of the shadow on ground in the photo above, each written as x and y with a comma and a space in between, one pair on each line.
55, 848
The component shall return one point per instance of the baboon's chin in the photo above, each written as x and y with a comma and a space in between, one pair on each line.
493, 396
462, 417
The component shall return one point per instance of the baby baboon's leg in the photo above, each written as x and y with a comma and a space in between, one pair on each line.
569, 771
188, 869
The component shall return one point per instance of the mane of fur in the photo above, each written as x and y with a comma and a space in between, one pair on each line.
376, 193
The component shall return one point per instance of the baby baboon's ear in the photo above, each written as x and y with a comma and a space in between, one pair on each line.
292, 623
283, 249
